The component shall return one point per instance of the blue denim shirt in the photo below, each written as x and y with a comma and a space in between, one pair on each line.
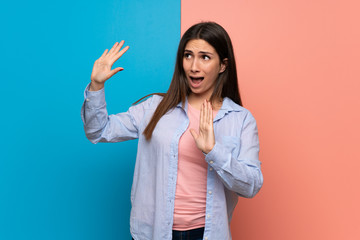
233, 163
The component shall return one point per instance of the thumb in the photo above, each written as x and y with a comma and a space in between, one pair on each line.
194, 134
115, 70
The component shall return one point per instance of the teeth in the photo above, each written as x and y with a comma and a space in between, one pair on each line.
197, 78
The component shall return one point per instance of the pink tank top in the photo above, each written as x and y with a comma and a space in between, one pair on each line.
190, 196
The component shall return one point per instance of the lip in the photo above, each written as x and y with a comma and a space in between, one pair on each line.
195, 81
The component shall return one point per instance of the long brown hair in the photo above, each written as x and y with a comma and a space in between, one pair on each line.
226, 84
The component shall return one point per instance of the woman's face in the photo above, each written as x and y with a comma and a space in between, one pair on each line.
202, 66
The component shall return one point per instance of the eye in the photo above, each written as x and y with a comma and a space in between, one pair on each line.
206, 57
187, 55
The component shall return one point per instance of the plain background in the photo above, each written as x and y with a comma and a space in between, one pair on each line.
299, 74
54, 183
298, 67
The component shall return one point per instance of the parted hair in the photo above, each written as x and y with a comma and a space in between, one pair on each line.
226, 84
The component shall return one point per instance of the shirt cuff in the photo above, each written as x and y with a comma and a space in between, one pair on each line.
211, 157
94, 99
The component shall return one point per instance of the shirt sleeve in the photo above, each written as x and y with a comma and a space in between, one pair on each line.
101, 127
236, 160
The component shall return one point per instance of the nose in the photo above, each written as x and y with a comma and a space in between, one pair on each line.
194, 65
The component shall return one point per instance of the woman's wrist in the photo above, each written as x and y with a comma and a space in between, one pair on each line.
96, 86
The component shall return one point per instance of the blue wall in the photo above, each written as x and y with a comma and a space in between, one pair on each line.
55, 184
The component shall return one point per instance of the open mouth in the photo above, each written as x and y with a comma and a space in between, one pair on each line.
196, 80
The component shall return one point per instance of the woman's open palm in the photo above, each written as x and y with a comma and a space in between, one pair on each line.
205, 137
102, 67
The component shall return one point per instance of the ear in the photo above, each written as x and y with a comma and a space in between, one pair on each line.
223, 65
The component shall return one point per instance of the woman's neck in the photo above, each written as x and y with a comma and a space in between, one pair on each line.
196, 102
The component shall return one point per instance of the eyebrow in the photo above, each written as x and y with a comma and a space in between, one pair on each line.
202, 52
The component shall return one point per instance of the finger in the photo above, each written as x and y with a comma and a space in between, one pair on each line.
104, 53
210, 113
205, 119
114, 71
207, 112
113, 48
201, 116
118, 47
121, 44
119, 54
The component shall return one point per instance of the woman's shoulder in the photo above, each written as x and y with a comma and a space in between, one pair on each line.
235, 109
230, 105
149, 102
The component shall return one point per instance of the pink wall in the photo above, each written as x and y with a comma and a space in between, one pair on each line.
298, 64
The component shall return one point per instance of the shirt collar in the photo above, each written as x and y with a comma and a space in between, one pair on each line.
228, 105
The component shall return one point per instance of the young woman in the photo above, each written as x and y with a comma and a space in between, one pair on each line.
198, 148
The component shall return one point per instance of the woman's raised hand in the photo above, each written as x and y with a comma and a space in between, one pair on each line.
205, 138
102, 67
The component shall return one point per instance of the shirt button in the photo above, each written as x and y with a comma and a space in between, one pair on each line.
206, 238
208, 216
87, 99
210, 192
211, 162
211, 169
